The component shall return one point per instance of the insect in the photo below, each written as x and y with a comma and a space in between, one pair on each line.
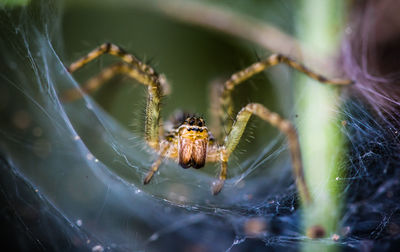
190, 143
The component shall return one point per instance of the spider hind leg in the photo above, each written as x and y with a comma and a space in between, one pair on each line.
156, 164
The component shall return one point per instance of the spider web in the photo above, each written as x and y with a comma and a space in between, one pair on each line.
71, 174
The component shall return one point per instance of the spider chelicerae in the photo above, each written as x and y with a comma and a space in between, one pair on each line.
190, 143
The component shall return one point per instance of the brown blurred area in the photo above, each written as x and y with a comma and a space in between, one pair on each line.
372, 53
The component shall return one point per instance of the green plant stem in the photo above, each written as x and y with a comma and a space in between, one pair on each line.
319, 123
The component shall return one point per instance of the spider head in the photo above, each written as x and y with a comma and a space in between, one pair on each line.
192, 142
194, 121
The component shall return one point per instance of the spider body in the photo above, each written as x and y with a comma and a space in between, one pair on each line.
192, 143
189, 142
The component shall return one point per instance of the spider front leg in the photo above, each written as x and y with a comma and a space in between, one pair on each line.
112, 49
135, 69
108, 73
224, 108
238, 127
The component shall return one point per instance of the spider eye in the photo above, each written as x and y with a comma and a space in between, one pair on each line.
200, 124
191, 122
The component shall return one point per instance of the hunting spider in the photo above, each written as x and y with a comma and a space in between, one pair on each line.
190, 143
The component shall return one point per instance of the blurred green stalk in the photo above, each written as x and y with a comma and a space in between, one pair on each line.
13, 2
319, 26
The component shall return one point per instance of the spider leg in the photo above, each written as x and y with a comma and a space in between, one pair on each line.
216, 113
155, 165
238, 127
134, 68
109, 48
105, 75
225, 103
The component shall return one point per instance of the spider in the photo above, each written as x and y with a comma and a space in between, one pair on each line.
190, 143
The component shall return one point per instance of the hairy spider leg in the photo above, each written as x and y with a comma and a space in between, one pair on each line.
216, 125
109, 48
156, 164
223, 112
238, 127
105, 75
137, 70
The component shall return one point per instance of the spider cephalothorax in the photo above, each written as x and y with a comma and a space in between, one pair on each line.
190, 143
